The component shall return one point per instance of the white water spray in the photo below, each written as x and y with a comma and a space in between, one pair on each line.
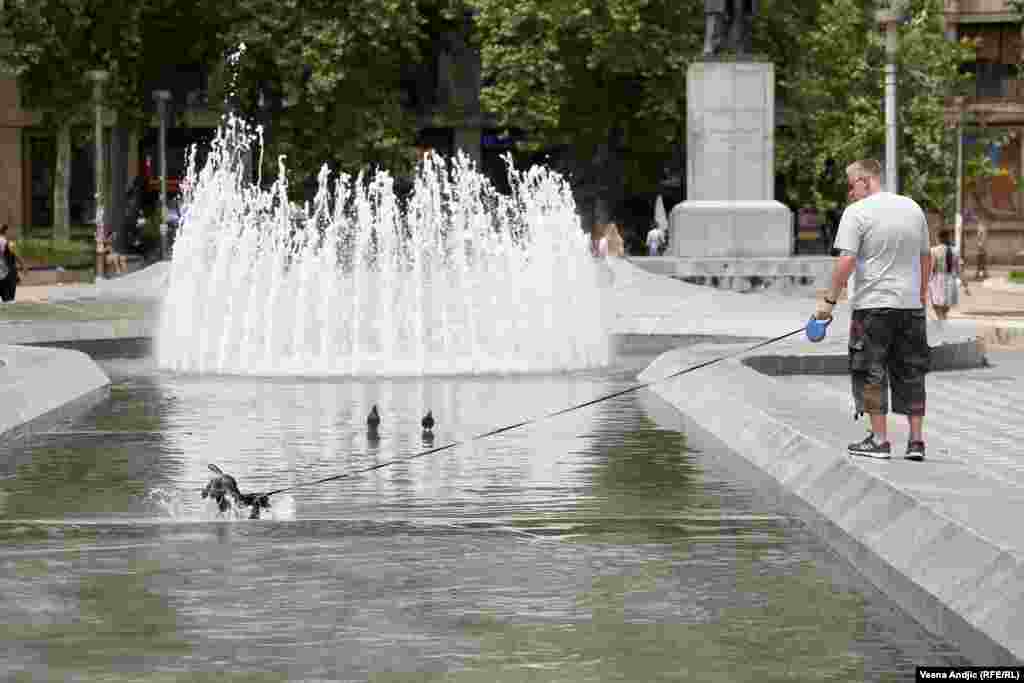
457, 279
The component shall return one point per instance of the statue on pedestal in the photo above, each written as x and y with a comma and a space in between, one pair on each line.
727, 25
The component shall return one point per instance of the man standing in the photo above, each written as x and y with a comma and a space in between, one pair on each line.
883, 238
655, 237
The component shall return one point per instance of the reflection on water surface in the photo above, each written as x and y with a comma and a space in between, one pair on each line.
600, 545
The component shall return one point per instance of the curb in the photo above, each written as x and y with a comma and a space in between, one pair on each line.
1002, 334
44, 387
54, 332
949, 356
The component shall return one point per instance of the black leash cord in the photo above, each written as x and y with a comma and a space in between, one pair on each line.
506, 428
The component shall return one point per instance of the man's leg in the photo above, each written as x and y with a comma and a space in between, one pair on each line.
916, 423
880, 426
868, 347
911, 358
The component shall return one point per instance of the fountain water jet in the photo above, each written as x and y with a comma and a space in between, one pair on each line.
457, 279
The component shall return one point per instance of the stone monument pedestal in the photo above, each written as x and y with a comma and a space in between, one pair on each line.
730, 208
732, 228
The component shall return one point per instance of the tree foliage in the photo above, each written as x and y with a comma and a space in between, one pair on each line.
51, 44
330, 76
603, 80
600, 84
834, 91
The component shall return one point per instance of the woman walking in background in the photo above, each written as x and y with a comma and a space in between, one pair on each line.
599, 241
944, 283
616, 245
10, 264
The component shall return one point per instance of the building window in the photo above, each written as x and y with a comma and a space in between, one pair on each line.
998, 52
42, 153
1002, 148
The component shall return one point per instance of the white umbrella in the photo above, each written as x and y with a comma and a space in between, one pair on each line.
661, 218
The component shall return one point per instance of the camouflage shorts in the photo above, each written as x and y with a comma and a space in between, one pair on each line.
889, 346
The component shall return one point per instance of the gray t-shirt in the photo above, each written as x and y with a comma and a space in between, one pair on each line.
888, 233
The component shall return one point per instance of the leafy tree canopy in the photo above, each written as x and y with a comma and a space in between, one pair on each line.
604, 81
571, 72
586, 74
834, 86
331, 76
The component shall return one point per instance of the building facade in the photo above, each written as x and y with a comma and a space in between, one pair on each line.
28, 160
13, 122
992, 119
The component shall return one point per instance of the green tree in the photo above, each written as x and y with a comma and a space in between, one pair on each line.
604, 82
328, 77
833, 82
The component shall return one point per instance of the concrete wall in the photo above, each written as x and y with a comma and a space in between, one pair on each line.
42, 387
982, 6
1005, 242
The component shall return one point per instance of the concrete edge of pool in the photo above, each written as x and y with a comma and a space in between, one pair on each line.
43, 387
948, 575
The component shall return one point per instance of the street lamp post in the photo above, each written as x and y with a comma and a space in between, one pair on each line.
98, 78
958, 221
162, 97
889, 19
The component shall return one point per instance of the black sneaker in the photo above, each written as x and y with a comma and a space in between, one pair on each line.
915, 451
869, 448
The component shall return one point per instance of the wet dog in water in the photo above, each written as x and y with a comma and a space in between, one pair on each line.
223, 489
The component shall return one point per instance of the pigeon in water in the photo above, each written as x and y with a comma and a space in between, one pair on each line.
373, 419
372, 423
428, 422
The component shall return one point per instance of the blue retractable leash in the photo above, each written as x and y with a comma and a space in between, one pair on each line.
816, 329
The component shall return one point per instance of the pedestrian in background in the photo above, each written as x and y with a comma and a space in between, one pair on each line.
599, 240
883, 239
616, 247
944, 283
10, 263
655, 238
115, 262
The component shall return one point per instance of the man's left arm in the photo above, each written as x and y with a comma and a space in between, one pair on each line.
926, 260
840, 274
926, 273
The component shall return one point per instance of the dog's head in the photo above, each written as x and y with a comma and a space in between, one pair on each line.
223, 488
220, 488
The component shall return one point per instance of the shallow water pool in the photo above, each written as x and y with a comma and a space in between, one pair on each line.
600, 545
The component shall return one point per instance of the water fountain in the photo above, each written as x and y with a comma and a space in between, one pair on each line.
455, 279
